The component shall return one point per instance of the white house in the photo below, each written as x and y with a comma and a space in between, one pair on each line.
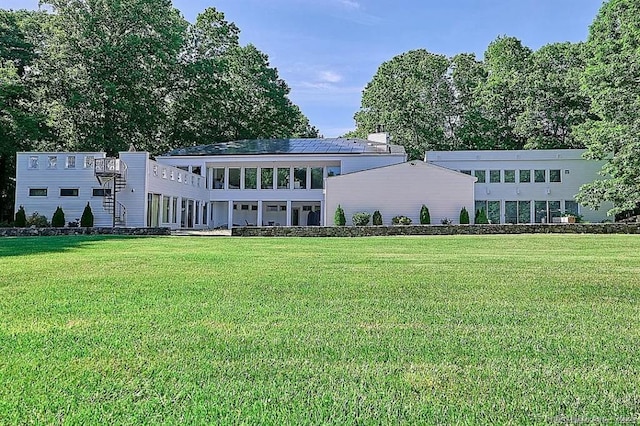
526, 186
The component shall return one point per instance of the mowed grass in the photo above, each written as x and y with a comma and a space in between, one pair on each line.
469, 329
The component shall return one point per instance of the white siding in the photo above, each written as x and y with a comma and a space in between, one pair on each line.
401, 190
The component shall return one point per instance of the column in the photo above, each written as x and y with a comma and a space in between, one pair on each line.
259, 220
322, 213
230, 215
289, 213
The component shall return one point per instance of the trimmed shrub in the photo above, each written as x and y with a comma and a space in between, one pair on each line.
377, 218
425, 217
401, 220
360, 219
37, 221
338, 218
446, 221
86, 221
464, 216
481, 217
57, 220
21, 218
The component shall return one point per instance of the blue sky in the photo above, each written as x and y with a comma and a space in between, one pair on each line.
328, 50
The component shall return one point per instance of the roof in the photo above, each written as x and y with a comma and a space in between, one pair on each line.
417, 164
505, 155
285, 146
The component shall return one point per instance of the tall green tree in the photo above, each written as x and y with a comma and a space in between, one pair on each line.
111, 66
612, 81
553, 103
411, 97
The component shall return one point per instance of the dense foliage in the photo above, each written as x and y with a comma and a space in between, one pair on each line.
86, 220
360, 219
21, 218
57, 220
425, 217
464, 216
377, 218
104, 74
481, 217
339, 218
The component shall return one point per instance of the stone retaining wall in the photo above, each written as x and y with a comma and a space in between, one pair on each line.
371, 231
48, 232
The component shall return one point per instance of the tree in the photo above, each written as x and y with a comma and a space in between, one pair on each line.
377, 218
21, 218
57, 220
612, 81
481, 217
86, 220
113, 63
464, 216
411, 98
339, 218
553, 103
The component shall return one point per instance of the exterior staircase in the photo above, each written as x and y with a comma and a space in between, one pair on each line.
112, 175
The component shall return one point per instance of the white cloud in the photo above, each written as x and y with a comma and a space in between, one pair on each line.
329, 77
350, 4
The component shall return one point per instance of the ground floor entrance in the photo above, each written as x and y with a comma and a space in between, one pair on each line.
228, 214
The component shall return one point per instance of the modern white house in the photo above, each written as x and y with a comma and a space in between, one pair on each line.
300, 182
526, 186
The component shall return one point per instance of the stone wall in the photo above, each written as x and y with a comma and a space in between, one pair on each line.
47, 232
371, 231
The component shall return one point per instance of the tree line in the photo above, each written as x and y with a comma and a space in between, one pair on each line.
563, 95
104, 74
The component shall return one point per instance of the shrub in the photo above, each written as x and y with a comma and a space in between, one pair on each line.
377, 218
481, 217
446, 221
425, 217
360, 219
37, 220
401, 220
57, 220
338, 218
464, 216
86, 220
21, 218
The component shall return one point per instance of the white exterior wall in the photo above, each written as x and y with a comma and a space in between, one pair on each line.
574, 172
401, 189
54, 179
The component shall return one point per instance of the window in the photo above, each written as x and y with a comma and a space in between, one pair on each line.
524, 211
174, 215
510, 176
166, 203
179, 177
218, 178
250, 178
37, 192
164, 173
466, 172
244, 207
554, 209
196, 213
272, 208
172, 175
283, 208
155, 170
185, 168
540, 211
101, 192
254, 207
539, 176
510, 212
234, 178
554, 175
266, 178
306, 208
88, 161
481, 175
204, 212
68, 192
333, 171
481, 205
196, 170
71, 162
283, 178
52, 162
317, 178
493, 211
300, 178
33, 162
494, 176
571, 207
525, 176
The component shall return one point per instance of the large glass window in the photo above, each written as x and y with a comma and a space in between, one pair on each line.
539, 176
481, 175
494, 176
300, 178
466, 172
525, 176
333, 171
554, 209
481, 205
174, 215
554, 175
524, 211
234, 178
317, 179
571, 207
266, 178
540, 211
510, 212
283, 178
510, 176
218, 178
493, 211
37, 192
250, 178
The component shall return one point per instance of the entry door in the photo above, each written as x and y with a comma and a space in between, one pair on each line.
295, 220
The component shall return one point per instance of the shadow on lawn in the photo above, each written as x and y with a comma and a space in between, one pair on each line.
22, 246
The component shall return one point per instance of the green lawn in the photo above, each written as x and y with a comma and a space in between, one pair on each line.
472, 329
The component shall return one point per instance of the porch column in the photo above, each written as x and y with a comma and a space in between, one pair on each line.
322, 214
289, 213
259, 220
230, 215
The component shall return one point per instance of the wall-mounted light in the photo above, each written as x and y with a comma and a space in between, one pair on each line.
548, 191
133, 190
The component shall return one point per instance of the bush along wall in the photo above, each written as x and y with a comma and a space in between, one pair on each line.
360, 219
57, 220
425, 217
464, 216
377, 218
87, 217
338, 218
21, 218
